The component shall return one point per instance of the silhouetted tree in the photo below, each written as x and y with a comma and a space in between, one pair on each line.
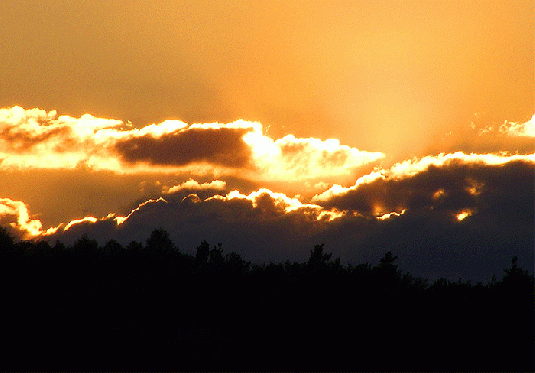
318, 260
216, 257
317, 257
159, 243
235, 264
386, 263
113, 248
202, 255
85, 246
216, 311
515, 276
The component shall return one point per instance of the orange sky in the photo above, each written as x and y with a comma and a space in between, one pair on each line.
389, 76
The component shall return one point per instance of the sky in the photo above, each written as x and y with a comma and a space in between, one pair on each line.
272, 126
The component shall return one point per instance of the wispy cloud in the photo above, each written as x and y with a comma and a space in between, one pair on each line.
482, 137
191, 185
519, 129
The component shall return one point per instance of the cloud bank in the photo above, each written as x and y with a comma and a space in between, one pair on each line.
451, 214
36, 138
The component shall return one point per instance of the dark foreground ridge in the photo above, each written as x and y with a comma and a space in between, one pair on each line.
151, 307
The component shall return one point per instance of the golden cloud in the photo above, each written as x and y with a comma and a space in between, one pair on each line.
194, 185
280, 203
268, 203
526, 129
38, 139
299, 159
455, 183
411, 167
16, 215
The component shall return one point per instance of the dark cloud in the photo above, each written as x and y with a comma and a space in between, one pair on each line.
221, 146
428, 238
502, 189
261, 231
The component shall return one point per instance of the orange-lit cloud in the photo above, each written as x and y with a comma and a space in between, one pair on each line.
89, 219
194, 185
294, 158
221, 147
463, 214
424, 211
459, 185
278, 203
519, 129
268, 204
39, 139
448, 182
16, 215
481, 137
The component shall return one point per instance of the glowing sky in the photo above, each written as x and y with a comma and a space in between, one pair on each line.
293, 121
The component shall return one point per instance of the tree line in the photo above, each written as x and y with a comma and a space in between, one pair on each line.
151, 306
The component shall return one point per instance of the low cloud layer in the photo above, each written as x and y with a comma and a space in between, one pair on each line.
519, 129
452, 182
451, 216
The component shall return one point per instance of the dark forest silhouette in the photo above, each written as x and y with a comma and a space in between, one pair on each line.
150, 306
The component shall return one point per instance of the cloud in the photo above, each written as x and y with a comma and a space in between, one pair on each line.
526, 129
482, 137
271, 203
458, 184
15, 214
194, 185
217, 146
38, 139
208, 181
456, 217
300, 159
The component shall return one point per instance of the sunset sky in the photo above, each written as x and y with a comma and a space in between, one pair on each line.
272, 126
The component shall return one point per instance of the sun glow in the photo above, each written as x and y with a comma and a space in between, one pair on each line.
300, 159
464, 214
